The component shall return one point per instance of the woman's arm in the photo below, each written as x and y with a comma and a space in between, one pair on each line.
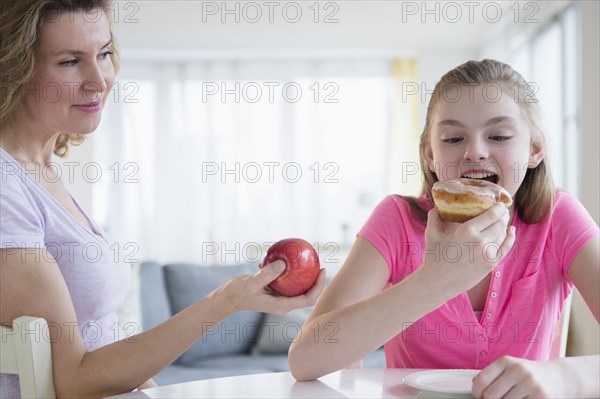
570, 377
32, 284
354, 317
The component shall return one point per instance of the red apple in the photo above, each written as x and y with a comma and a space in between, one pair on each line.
302, 266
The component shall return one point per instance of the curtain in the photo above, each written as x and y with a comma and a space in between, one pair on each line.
403, 166
210, 161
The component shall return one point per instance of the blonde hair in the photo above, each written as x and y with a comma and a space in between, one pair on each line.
20, 25
535, 197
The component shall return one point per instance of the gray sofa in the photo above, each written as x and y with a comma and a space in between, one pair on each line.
244, 343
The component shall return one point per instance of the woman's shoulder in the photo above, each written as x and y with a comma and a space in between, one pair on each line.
11, 171
13, 178
20, 195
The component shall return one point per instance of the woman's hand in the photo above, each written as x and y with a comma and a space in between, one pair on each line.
510, 377
250, 292
463, 254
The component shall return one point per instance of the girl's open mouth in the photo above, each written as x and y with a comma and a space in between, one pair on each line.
488, 176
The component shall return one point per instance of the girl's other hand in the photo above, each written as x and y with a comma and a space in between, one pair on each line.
510, 377
461, 255
250, 292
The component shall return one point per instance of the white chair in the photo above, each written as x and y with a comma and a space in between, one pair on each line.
25, 350
559, 345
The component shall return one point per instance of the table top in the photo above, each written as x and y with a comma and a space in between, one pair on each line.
347, 383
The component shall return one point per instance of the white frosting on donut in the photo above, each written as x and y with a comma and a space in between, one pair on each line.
476, 187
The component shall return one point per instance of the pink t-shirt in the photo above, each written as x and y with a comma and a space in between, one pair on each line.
524, 302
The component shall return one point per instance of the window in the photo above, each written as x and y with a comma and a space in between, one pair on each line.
218, 159
549, 60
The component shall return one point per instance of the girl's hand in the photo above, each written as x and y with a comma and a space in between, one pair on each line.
461, 255
250, 292
509, 377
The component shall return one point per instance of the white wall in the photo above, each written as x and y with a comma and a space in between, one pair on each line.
590, 103
365, 26
584, 331
435, 63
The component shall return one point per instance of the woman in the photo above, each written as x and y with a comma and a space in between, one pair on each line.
58, 62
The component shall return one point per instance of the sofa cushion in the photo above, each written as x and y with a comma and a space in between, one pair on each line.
155, 301
186, 284
278, 332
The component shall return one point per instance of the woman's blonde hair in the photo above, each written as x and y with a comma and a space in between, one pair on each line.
20, 25
535, 197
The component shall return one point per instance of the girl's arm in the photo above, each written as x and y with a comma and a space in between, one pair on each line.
354, 317
570, 377
31, 284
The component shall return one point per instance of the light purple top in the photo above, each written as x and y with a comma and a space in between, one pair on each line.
95, 276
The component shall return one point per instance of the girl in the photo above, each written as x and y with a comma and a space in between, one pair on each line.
58, 61
486, 294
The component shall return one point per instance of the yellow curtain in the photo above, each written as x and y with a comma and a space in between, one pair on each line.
403, 172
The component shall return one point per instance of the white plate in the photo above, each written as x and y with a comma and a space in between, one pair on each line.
443, 383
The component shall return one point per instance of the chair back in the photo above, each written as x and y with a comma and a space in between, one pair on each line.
559, 345
25, 350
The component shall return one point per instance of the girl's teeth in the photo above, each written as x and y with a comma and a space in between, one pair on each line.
476, 175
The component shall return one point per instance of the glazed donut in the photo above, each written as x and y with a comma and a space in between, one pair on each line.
462, 199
